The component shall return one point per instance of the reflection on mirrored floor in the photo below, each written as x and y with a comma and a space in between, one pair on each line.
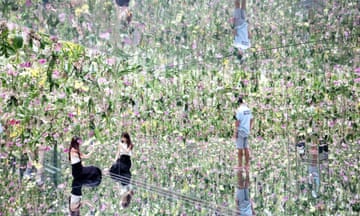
244, 203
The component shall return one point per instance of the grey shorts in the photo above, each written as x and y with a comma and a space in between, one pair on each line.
313, 170
242, 194
242, 142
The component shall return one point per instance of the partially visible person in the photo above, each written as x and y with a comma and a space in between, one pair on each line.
240, 26
243, 125
76, 202
82, 175
244, 204
122, 3
314, 177
120, 171
124, 15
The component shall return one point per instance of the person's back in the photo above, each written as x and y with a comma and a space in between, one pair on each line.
243, 114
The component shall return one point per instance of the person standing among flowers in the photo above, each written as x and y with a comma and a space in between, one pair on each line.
243, 125
240, 29
120, 171
82, 175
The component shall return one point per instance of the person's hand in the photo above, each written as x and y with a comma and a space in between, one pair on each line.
235, 32
235, 137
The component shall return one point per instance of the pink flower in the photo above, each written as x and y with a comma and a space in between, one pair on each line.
56, 74
103, 207
357, 70
57, 47
46, 148
127, 41
102, 80
357, 80
71, 115
12, 72
42, 61
61, 186
62, 17
13, 122
127, 83
111, 61
194, 45
337, 82
290, 84
25, 64
28, 3
61, 95
105, 35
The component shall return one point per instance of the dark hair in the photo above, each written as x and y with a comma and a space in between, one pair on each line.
122, 3
127, 198
240, 100
74, 145
128, 140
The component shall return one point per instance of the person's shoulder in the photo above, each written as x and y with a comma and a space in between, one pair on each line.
239, 109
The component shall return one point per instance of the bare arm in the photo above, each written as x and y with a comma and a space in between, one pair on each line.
88, 203
88, 154
251, 123
249, 34
118, 152
237, 123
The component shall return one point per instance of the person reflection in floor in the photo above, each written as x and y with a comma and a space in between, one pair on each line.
244, 205
314, 177
75, 203
124, 15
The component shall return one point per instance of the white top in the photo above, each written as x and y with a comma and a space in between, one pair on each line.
243, 114
242, 40
125, 189
75, 199
124, 150
74, 158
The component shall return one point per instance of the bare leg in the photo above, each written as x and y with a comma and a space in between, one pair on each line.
240, 157
247, 157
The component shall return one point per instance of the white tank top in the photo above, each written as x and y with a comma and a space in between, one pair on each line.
124, 150
74, 158
75, 199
